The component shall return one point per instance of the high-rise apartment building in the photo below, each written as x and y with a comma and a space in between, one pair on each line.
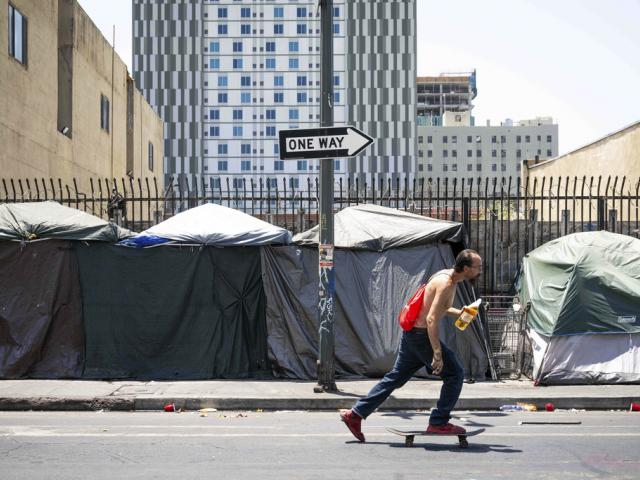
227, 75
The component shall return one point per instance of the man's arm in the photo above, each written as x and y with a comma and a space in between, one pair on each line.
439, 306
454, 312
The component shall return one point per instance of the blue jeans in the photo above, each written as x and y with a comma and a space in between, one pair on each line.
415, 353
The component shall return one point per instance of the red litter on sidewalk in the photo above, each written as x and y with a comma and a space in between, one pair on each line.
549, 407
635, 407
170, 407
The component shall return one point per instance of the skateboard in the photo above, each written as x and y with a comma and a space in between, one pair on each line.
409, 435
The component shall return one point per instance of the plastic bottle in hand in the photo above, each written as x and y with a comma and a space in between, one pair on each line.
468, 313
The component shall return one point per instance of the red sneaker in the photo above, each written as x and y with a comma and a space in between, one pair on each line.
446, 429
352, 421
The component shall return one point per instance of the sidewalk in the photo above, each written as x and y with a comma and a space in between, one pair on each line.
294, 395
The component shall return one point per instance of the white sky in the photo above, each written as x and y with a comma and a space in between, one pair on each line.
577, 61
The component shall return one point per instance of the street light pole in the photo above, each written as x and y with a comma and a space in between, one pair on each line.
326, 351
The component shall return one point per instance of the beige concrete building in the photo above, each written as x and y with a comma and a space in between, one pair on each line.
612, 162
68, 106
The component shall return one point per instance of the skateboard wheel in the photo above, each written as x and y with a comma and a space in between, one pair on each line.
463, 441
408, 441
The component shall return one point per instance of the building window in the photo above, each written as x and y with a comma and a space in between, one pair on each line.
271, 131
223, 149
302, 165
270, 47
301, 97
223, 98
293, 64
222, 29
527, 139
276, 148
469, 153
214, 131
270, 63
245, 97
237, 46
518, 139
245, 165
294, 47
479, 153
294, 183
301, 80
301, 28
17, 35
271, 114
503, 139
272, 183
420, 153
278, 97
469, 167
104, 113
336, 28
454, 153
150, 156
222, 13
549, 138
245, 29
222, 81
429, 168
518, 153
278, 165
478, 167
494, 167
548, 153
494, 153
294, 114
237, 131
539, 138
429, 153
469, 139
214, 114
445, 168
245, 12
245, 149
336, 12
223, 165
237, 64
278, 81
336, 80
429, 139
214, 63
214, 47
336, 97
445, 153
336, 165
454, 167
503, 167
237, 114
238, 183
445, 139
245, 81
278, 12
301, 12
454, 139
278, 29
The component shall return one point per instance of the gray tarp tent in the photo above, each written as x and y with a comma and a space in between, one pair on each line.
584, 320
382, 256
41, 328
193, 309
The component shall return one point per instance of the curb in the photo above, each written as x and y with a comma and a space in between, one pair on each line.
292, 403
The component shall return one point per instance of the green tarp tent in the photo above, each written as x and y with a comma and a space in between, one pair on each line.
584, 320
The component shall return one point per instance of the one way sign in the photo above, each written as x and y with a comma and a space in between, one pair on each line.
328, 142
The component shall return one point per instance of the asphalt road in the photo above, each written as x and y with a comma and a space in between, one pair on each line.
313, 445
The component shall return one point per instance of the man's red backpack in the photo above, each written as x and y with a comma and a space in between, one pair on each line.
409, 313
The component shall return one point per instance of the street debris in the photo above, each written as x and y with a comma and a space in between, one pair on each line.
550, 423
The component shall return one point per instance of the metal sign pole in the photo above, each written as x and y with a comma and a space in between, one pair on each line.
326, 366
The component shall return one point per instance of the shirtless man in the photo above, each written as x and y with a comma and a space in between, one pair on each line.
421, 347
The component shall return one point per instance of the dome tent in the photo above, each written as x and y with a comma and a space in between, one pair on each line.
381, 257
584, 317
196, 298
41, 322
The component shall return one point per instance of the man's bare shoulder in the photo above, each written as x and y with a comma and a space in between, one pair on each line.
441, 281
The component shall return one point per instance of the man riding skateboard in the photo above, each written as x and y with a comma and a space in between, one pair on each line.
421, 347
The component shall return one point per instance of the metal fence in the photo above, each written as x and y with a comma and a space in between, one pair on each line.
504, 217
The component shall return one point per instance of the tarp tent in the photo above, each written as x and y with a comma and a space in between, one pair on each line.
584, 317
382, 255
41, 329
191, 309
